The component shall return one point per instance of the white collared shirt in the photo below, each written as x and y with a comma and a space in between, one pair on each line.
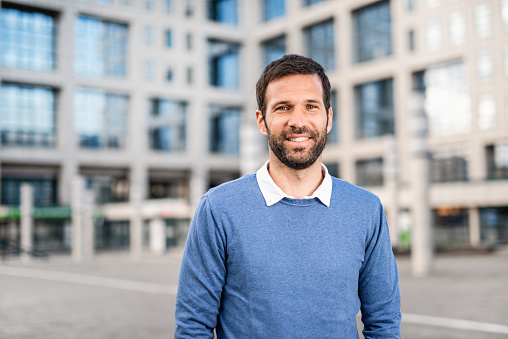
273, 194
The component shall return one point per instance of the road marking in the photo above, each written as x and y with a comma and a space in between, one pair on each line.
74, 278
136, 286
454, 323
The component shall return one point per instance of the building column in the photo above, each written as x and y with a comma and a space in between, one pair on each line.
198, 185
137, 190
474, 227
26, 210
422, 244
157, 236
391, 185
83, 232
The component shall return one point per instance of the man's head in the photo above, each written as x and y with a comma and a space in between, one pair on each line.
294, 110
291, 64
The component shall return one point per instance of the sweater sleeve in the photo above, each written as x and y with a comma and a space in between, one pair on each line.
202, 276
379, 285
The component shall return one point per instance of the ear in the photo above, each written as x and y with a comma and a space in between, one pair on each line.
330, 120
261, 122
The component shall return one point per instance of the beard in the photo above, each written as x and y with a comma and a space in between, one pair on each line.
297, 158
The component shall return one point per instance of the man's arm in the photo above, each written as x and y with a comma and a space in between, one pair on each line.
202, 276
379, 285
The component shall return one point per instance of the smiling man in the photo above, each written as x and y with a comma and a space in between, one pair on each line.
289, 252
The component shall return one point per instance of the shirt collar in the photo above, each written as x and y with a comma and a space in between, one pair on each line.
273, 194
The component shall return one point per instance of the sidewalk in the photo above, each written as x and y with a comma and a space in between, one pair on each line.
111, 297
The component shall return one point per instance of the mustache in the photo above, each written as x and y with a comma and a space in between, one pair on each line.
298, 130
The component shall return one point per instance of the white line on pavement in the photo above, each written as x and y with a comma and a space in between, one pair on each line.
82, 279
454, 323
136, 286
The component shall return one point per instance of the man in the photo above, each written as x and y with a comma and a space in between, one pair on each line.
289, 252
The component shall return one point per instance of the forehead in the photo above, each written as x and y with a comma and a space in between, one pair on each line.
295, 87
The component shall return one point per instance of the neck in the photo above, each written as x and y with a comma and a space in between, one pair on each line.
296, 183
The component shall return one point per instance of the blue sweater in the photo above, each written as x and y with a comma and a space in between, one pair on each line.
297, 269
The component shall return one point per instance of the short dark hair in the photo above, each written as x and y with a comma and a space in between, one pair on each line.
291, 64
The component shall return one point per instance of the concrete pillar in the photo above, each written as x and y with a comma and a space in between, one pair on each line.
78, 187
136, 220
88, 229
198, 185
252, 147
422, 244
474, 227
157, 236
391, 184
26, 210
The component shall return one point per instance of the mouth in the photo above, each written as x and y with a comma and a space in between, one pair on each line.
300, 139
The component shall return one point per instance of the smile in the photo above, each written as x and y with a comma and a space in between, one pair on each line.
298, 139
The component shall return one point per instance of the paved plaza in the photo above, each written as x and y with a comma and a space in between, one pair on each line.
112, 297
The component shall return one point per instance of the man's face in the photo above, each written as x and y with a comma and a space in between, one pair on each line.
296, 122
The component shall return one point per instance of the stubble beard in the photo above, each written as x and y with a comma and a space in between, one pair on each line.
297, 158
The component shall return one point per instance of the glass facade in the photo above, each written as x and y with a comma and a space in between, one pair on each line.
274, 49
483, 21
369, 172
433, 35
44, 190
311, 2
374, 102
111, 235
167, 124
27, 116
223, 11
494, 225
334, 135
273, 9
107, 187
486, 112
224, 130
447, 101
449, 166
320, 43
168, 41
373, 32
100, 118
497, 160
451, 227
100, 47
163, 188
223, 64
457, 28
27, 39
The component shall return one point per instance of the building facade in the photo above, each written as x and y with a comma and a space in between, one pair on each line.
151, 103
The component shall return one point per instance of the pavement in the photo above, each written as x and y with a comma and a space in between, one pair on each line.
466, 296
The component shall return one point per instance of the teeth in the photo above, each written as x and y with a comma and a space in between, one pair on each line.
298, 139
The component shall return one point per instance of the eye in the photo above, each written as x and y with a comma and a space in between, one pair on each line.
310, 106
282, 108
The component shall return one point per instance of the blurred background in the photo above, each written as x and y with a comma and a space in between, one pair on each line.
117, 115
146, 104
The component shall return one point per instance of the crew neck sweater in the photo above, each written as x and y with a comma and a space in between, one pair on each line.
296, 269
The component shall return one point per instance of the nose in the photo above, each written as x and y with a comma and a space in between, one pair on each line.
297, 118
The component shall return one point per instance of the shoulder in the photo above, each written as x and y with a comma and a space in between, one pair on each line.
232, 192
345, 191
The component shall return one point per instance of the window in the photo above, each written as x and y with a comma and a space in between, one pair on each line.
273, 9
224, 130
190, 76
100, 47
100, 119
320, 44
108, 185
483, 21
484, 66
497, 160
27, 39
372, 29
447, 166
174, 186
149, 70
334, 135
149, 5
188, 41
45, 190
369, 172
166, 124
311, 2
451, 227
457, 28
486, 111
447, 102
411, 40
223, 11
274, 49
149, 35
27, 116
333, 169
494, 225
112, 235
169, 38
104, 2
168, 5
505, 60
374, 102
223, 64
189, 8
169, 75
433, 35
410, 5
